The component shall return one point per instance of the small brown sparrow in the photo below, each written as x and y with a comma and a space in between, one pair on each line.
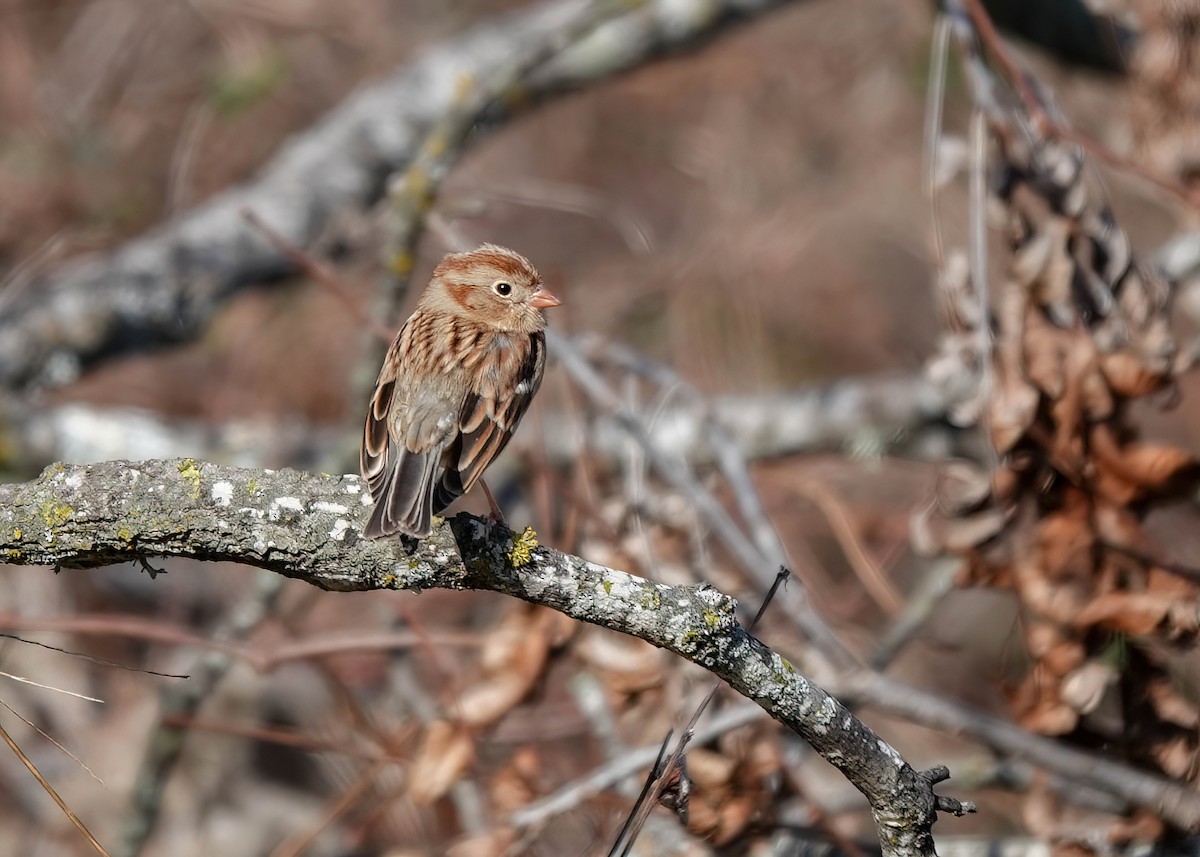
456, 381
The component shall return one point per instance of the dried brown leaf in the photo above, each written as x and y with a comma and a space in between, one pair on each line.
734, 816
710, 770
1058, 601
494, 843
1084, 688
515, 784
1052, 717
1011, 410
1052, 287
765, 759
1118, 526
1176, 756
963, 534
1098, 402
1064, 544
1170, 704
1046, 348
1143, 826
1144, 465
445, 753
1129, 376
514, 655
1053, 647
1135, 613
627, 665
962, 488
924, 533
1031, 258
1014, 401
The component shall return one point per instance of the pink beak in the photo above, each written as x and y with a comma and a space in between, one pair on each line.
543, 298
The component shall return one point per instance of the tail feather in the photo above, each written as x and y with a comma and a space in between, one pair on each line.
404, 502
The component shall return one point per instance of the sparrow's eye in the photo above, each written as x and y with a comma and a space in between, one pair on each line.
502, 288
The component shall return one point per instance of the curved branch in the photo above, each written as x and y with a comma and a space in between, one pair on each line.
307, 526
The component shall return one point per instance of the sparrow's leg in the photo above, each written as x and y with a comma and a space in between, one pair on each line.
494, 508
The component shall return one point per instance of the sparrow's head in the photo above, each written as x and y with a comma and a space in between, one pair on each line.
492, 285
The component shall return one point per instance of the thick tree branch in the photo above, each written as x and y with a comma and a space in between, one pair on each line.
307, 527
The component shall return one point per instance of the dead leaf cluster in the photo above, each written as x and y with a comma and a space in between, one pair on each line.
1080, 334
1165, 68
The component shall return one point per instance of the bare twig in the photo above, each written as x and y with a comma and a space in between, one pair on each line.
263, 657
78, 761
67, 811
321, 275
669, 774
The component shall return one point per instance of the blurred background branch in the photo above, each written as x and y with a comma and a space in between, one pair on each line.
765, 354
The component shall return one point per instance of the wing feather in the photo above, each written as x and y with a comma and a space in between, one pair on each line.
487, 422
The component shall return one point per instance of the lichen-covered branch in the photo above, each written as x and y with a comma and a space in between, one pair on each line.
307, 526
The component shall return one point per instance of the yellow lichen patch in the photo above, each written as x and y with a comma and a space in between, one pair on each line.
124, 534
17, 534
252, 487
188, 470
607, 584
523, 547
400, 264
712, 619
388, 580
56, 513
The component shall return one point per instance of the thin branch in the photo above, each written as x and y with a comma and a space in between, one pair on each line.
78, 761
37, 775
320, 274
577, 792
263, 657
105, 662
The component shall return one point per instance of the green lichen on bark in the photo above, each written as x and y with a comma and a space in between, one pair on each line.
55, 513
191, 474
523, 546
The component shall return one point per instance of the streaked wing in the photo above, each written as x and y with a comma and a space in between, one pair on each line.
373, 455
408, 427
489, 417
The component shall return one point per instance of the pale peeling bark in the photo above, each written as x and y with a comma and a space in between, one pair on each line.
308, 526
